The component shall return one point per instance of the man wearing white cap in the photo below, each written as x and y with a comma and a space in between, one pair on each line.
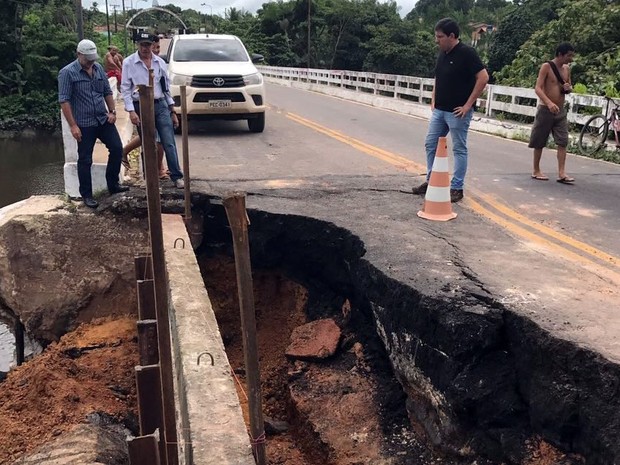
88, 105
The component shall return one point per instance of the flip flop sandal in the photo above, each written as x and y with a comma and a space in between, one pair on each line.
566, 180
540, 177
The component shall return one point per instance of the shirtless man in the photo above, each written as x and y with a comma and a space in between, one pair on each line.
113, 64
551, 113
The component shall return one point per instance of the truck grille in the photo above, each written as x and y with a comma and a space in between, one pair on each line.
212, 81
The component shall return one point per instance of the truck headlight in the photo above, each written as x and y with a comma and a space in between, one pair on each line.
180, 79
253, 79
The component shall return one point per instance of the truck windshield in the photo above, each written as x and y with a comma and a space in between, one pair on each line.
209, 50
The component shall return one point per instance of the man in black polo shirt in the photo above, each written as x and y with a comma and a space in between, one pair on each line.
460, 78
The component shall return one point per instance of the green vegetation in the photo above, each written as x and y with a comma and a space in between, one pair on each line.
39, 37
592, 27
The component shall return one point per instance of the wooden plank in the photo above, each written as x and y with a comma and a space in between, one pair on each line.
144, 450
184, 138
148, 349
238, 220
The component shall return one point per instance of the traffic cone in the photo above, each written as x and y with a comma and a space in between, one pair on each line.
437, 204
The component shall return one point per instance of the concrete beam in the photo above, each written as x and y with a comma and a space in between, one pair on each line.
209, 415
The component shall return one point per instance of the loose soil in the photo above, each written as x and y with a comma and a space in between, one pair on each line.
90, 370
336, 397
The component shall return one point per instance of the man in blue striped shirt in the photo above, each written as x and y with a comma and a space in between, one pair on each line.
87, 103
136, 72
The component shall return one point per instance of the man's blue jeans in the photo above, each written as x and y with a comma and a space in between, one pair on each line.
107, 134
165, 129
441, 123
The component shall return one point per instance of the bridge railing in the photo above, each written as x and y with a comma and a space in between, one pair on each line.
499, 102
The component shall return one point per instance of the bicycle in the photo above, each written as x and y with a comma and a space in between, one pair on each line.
594, 133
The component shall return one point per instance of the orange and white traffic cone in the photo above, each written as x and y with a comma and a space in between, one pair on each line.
437, 204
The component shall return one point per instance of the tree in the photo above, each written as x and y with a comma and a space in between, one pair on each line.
591, 26
400, 48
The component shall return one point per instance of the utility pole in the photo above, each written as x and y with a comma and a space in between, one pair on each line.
125, 32
309, 12
115, 6
80, 19
107, 19
210, 15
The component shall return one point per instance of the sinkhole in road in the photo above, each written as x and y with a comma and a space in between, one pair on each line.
347, 409
358, 407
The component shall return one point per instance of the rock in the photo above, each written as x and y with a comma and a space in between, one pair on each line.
87, 444
314, 341
63, 268
273, 426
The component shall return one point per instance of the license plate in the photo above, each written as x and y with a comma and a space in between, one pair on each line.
220, 103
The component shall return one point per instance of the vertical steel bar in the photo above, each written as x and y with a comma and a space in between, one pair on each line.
144, 450
19, 342
143, 267
146, 299
238, 220
184, 135
149, 398
147, 117
147, 342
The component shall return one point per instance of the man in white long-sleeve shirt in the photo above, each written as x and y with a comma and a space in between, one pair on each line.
136, 72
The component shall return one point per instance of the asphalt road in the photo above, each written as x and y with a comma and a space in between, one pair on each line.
310, 135
547, 251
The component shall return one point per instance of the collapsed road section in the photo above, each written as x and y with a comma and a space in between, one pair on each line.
481, 372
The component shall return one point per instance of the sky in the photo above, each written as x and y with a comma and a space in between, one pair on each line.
217, 6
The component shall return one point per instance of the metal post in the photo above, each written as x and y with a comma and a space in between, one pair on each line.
184, 135
309, 13
146, 299
125, 30
115, 6
80, 19
19, 342
147, 342
238, 220
107, 20
144, 450
147, 117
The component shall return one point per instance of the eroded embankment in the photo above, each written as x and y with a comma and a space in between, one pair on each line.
478, 376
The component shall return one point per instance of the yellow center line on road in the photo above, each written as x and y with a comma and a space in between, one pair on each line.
514, 221
389, 157
522, 232
581, 246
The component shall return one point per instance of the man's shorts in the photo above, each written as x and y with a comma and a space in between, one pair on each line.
547, 123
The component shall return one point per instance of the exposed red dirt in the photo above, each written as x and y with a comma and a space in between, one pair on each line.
89, 370
92, 370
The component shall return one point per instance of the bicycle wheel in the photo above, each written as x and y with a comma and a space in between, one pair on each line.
593, 135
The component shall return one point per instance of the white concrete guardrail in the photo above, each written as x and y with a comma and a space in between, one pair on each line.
412, 95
